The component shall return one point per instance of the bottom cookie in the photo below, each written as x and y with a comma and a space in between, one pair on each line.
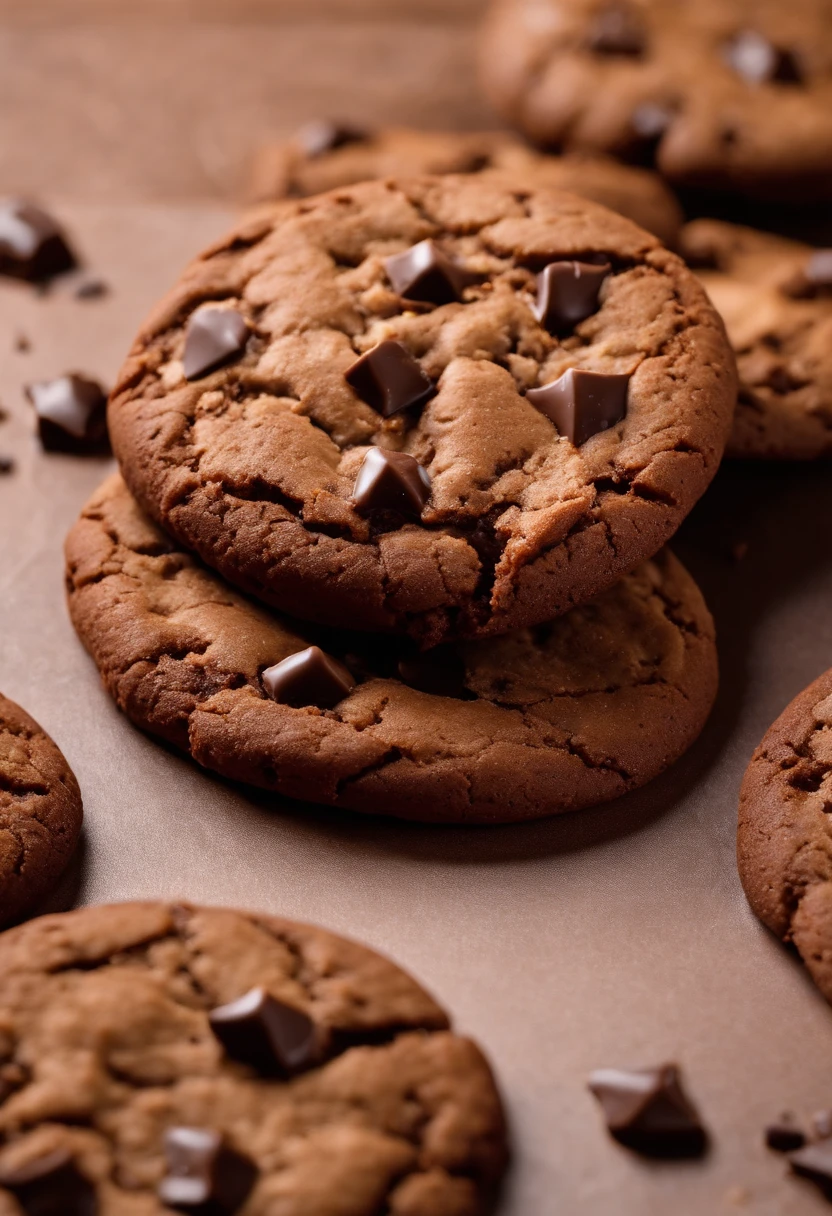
784, 839
550, 719
40, 813
158, 1056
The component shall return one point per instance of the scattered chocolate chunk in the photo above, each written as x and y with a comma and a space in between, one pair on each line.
822, 1124
439, 671
309, 677
71, 413
648, 1111
784, 1136
758, 61
214, 336
22, 344
618, 30
204, 1173
391, 481
814, 1162
322, 135
582, 403
426, 274
271, 1037
567, 293
91, 289
32, 244
51, 1185
6, 465
389, 379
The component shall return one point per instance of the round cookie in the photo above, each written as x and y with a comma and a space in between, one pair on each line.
775, 296
373, 458
134, 1082
725, 94
325, 156
40, 812
784, 841
545, 720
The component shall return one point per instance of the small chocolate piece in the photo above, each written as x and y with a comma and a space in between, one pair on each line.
582, 403
320, 136
204, 1174
439, 671
814, 1162
22, 344
426, 274
648, 1111
822, 1124
309, 677
91, 289
389, 379
784, 1136
618, 30
391, 481
51, 1185
271, 1037
567, 293
758, 61
6, 464
214, 336
32, 244
71, 413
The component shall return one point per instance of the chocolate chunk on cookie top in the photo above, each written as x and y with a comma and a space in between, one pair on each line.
374, 455
129, 1102
543, 720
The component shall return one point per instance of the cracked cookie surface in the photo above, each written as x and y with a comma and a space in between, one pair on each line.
781, 331
288, 170
784, 843
40, 812
253, 466
727, 94
106, 1044
550, 719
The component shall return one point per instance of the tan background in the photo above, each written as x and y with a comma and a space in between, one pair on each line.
615, 937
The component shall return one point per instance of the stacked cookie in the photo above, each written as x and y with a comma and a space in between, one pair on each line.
441, 428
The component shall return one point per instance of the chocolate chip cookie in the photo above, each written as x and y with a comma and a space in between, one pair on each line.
543, 720
725, 94
785, 829
445, 408
775, 297
160, 1057
40, 813
327, 156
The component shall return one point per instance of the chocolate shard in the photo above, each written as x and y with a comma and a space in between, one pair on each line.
582, 403
567, 293
814, 1162
205, 1174
389, 379
426, 274
440, 671
322, 135
71, 414
309, 677
758, 61
51, 1185
213, 337
391, 481
784, 1136
648, 1111
618, 29
32, 244
271, 1037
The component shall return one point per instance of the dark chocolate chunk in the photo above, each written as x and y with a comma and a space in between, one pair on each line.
320, 136
426, 274
814, 1162
391, 481
214, 336
263, 1032
567, 293
6, 464
91, 289
204, 1174
618, 30
784, 1136
309, 677
32, 244
648, 1111
758, 61
822, 1124
389, 379
439, 671
51, 1185
582, 403
71, 413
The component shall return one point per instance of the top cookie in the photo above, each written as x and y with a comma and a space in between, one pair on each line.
335, 406
326, 156
727, 94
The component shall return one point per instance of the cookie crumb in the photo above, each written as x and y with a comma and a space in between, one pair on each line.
22, 344
92, 289
738, 1196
